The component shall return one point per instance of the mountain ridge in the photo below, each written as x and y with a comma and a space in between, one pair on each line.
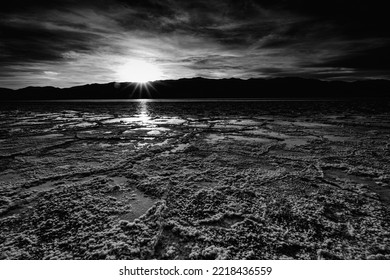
198, 87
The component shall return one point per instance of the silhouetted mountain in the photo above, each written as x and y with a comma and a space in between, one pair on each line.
5, 93
290, 88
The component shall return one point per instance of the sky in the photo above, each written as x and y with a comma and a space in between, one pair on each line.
67, 43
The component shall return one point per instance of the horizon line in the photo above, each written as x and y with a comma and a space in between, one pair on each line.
203, 78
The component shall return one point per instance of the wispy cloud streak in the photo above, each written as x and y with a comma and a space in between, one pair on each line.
65, 43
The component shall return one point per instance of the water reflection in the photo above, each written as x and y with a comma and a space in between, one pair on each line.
142, 111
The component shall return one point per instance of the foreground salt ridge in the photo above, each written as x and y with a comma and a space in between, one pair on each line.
217, 181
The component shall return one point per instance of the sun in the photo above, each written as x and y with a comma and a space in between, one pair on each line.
138, 71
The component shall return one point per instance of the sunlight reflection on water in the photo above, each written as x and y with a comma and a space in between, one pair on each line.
143, 115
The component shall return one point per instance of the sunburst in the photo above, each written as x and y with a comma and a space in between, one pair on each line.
138, 71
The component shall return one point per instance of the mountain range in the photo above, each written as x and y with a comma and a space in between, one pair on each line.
286, 88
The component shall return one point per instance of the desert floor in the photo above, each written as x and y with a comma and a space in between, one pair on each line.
218, 180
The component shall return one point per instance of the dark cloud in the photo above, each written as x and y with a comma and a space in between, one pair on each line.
68, 41
374, 58
350, 18
29, 43
28, 6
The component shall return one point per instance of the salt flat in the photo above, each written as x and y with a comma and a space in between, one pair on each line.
195, 180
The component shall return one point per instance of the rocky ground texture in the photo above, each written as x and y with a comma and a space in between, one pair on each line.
218, 180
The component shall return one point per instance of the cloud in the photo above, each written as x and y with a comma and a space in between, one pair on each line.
86, 41
361, 56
